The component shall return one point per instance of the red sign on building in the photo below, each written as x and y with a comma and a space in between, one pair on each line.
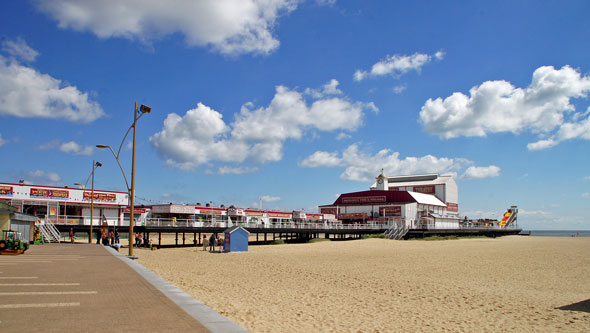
390, 211
425, 189
452, 207
332, 211
6, 190
372, 199
106, 197
47, 193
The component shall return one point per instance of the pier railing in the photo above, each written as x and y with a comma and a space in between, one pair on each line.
190, 223
276, 225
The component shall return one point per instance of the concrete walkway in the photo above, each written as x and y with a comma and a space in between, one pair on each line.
88, 288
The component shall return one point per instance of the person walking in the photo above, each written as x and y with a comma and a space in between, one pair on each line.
205, 242
71, 235
117, 239
112, 237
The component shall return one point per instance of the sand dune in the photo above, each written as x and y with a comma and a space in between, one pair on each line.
505, 284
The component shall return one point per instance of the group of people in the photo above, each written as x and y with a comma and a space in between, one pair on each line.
106, 237
140, 241
209, 243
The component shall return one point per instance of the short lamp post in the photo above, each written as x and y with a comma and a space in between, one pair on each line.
95, 164
131, 190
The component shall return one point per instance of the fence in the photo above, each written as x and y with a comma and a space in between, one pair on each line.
191, 223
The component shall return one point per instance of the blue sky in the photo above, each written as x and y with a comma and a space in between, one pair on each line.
296, 102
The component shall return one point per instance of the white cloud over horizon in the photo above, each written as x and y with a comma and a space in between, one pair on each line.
363, 166
27, 93
269, 198
397, 65
256, 134
229, 27
226, 170
42, 177
474, 172
543, 108
70, 147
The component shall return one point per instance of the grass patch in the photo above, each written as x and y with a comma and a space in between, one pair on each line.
439, 238
318, 240
277, 242
373, 236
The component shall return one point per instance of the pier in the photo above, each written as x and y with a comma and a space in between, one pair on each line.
190, 234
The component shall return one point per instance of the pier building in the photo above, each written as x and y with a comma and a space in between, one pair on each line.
422, 201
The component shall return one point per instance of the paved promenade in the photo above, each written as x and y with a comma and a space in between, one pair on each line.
90, 288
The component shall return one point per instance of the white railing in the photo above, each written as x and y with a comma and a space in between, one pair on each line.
84, 220
165, 222
192, 223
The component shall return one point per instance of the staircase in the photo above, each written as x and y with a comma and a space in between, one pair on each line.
50, 233
397, 230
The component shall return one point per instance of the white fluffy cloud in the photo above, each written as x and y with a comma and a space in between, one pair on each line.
257, 135
542, 108
474, 172
26, 93
19, 49
268, 198
397, 65
230, 26
70, 147
42, 177
225, 170
399, 89
362, 166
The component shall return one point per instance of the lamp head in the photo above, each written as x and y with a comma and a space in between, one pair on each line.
98, 164
102, 146
145, 109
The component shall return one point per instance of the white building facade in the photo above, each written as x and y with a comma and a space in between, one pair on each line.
64, 205
421, 201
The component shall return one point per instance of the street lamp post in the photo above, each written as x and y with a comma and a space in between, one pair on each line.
131, 190
95, 164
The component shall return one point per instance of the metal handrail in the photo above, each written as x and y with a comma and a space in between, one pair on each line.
213, 223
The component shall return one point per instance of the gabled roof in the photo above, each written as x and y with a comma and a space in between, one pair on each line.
374, 197
426, 199
379, 197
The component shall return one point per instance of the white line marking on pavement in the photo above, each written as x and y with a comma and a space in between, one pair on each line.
37, 284
23, 293
18, 277
23, 262
45, 258
37, 305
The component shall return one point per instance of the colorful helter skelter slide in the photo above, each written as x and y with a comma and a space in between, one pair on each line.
509, 217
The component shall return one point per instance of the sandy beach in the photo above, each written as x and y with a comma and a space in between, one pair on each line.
510, 283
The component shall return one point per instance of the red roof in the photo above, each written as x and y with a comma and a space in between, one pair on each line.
374, 197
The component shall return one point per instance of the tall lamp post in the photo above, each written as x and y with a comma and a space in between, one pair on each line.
131, 190
95, 164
